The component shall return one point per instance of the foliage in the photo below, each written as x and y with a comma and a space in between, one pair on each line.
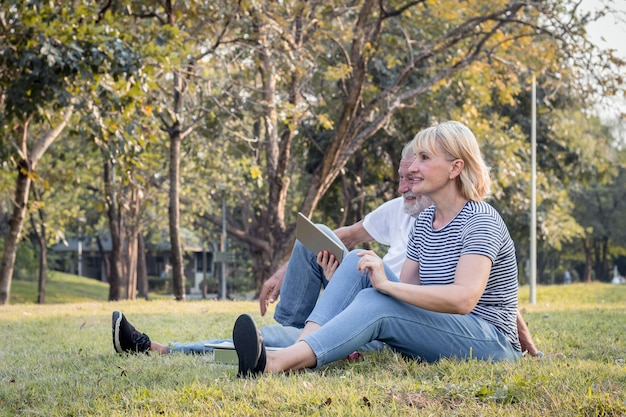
70, 366
291, 106
372, 73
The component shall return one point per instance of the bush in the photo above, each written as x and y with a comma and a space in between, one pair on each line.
159, 285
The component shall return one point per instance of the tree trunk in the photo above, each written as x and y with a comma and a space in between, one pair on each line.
603, 271
40, 234
178, 276
588, 263
15, 231
116, 286
131, 265
26, 167
270, 225
132, 232
142, 269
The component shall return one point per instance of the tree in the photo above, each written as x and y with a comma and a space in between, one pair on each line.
276, 100
601, 209
46, 58
176, 39
350, 69
27, 165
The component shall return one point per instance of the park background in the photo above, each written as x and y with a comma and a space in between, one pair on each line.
194, 131
181, 151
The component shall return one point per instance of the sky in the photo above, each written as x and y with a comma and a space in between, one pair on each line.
609, 32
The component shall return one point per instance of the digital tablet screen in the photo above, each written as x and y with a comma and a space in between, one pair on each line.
315, 239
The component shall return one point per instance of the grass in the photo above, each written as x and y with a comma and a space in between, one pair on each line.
58, 360
60, 288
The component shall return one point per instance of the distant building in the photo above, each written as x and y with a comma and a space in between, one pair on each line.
158, 254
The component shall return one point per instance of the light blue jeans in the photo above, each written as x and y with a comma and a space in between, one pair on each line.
304, 279
353, 313
274, 335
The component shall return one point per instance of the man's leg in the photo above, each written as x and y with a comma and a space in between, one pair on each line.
303, 282
274, 335
127, 339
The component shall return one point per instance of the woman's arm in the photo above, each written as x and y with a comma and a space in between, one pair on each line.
460, 297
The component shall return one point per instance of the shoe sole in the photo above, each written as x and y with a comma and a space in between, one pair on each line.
117, 320
246, 341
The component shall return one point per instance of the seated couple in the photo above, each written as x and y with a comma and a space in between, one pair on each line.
446, 288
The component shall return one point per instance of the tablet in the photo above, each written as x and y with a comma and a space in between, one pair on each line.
315, 239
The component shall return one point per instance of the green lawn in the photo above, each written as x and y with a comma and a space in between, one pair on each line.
58, 360
60, 288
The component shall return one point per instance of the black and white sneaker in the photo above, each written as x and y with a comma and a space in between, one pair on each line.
126, 338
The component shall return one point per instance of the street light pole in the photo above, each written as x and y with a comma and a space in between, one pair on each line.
533, 196
223, 243
81, 220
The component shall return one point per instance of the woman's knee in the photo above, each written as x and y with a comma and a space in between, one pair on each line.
372, 300
352, 259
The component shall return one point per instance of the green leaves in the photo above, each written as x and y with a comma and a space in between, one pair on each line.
299, 104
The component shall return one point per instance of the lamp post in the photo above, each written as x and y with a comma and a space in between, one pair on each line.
223, 243
81, 220
533, 196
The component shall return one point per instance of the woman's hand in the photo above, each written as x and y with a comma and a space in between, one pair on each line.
328, 262
372, 263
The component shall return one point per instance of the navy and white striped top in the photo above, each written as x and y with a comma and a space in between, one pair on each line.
477, 229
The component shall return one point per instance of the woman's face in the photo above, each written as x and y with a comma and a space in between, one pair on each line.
431, 171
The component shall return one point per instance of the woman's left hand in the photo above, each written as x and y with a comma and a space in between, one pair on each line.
372, 263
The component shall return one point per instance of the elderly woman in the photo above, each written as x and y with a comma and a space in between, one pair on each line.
457, 292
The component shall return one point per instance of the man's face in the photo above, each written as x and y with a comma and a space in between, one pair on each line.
413, 203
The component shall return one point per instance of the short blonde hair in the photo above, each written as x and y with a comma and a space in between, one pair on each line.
458, 142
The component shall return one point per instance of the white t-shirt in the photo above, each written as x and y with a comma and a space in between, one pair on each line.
390, 225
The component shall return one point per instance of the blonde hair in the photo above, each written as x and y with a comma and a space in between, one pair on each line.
458, 142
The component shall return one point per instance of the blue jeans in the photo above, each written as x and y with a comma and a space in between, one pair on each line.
274, 335
352, 313
303, 282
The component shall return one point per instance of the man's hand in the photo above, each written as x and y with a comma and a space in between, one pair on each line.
525, 338
271, 288
328, 262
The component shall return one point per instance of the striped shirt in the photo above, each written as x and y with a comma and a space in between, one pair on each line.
477, 229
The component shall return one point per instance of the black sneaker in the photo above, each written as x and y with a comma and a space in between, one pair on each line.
250, 352
126, 338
